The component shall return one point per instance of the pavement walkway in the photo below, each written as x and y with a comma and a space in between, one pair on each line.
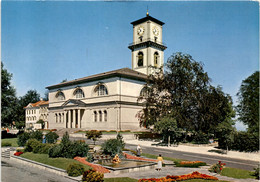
201, 149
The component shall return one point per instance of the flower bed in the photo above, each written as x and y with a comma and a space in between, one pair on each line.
97, 168
194, 175
190, 164
18, 153
217, 168
128, 156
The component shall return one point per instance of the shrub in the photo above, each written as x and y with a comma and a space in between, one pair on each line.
31, 144
6, 144
55, 151
20, 150
42, 148
217, 168
75, 169
94, 135
22, 138
200, 138
92, 176
256, 172
37, 135
112, 147
90, 157
51, 137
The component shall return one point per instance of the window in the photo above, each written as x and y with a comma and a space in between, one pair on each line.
101, 90
100, 116
144, 92
156, 59
60, 96
79, 93
95, 116
105, 116
140, 57
56, 118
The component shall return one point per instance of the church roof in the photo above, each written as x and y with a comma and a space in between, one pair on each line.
148, 17
124, 72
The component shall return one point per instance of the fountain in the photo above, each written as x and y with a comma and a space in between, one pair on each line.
117, 165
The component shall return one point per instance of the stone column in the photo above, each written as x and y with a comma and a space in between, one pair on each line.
69, 118
79, 121
74, 118
65, 119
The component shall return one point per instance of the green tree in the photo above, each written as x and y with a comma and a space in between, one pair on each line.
40, 121
184, 92
8, 98
94, 135
31, 96
248, 98
167, 126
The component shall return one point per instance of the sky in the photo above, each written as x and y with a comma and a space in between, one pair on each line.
45, 42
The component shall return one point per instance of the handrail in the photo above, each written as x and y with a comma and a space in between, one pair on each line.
145, 40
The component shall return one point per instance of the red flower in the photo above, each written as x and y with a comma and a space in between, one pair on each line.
18, 153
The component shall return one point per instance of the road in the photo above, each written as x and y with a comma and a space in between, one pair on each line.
209, 159
14, 172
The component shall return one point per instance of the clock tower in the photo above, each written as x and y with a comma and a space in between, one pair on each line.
147, 47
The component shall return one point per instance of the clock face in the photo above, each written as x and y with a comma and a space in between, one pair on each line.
140, 30
155, 31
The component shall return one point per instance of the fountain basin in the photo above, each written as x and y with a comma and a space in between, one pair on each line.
127, 165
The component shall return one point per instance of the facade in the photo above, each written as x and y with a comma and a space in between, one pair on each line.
108, 101
35, 112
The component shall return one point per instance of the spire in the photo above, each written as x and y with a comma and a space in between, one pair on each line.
147, 13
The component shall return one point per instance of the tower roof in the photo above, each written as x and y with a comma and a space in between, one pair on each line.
148, 17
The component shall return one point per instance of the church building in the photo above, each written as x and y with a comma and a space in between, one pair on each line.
108, 101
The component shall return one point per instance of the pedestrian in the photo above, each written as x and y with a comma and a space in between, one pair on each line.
160, 162
139, 151
43, 139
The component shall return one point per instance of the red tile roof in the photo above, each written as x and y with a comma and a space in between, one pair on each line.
37, 104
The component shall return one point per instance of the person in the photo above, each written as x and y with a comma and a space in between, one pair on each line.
160, 161
139, 151
43, 139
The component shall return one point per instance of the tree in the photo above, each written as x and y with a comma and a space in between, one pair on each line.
94, 135
184, 92
167, 126
40, 121
31, 96
248, 98
8, 98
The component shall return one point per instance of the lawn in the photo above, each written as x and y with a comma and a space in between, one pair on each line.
120, 180
165, 158
61, 163
13, 141
237, 173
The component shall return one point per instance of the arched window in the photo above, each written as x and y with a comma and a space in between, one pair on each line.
101, 90
60, 96
156, 59
144, 92
79, 93
95, 116
140, 59
56, 117
100, 116
105, 116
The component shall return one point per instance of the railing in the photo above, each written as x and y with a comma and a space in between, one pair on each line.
145, 40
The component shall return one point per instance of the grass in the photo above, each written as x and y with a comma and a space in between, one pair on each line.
165, 158
125, 179
61, 163
13, 141
237, 173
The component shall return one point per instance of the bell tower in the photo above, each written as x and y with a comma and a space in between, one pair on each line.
147, 47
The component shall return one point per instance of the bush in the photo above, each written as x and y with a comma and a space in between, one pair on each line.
217, 168
55, 151
18, 153
22, 138
90, 157
75, 169
94, 135
42, 148
148, 136
200, 138
31, 144
92, 176
69, 149
6, 144
51, 137
37, 135
256, 172
20, 150
112, 147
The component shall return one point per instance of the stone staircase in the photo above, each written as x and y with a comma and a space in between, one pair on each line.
5, 152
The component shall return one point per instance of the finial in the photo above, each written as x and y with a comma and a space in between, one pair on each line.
147, 14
